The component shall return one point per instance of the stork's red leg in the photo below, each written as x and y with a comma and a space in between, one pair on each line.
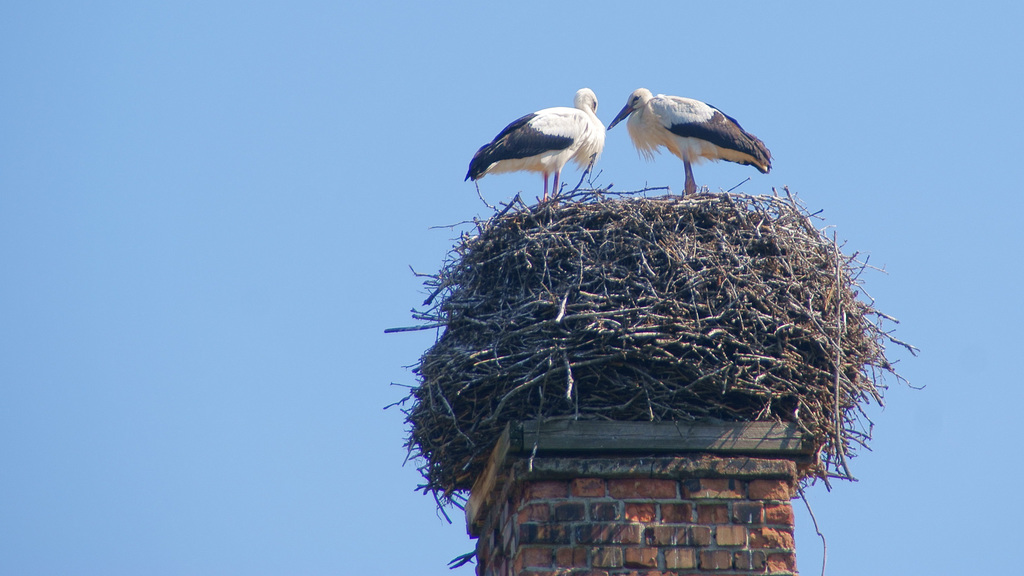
545, 185
690, 187
554, 192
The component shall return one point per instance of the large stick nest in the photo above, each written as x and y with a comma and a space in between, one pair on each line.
720, 306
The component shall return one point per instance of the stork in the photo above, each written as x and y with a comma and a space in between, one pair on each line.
544, 142
690, 129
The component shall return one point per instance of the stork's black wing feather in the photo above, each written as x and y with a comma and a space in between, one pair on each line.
518, 140
725, 132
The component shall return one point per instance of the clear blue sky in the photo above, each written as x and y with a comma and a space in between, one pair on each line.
208, 212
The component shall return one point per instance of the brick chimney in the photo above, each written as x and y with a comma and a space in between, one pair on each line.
639, 498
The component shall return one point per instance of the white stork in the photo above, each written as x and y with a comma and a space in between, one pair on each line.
690, 129
544, 142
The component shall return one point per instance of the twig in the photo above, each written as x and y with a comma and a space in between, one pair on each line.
824, 545
568, 376
561, 308
738, 185
511, 203
481, 196
414, 328
583, 176
840, 328
461, 560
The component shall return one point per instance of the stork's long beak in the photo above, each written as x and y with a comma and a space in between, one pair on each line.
626, 111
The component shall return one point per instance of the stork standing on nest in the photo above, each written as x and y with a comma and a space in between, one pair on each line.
544, 142
690, 129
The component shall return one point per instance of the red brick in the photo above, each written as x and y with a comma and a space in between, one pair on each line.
731, 535
536, 557
700, 536
534, 513
531, 533
544, 489
713, 513
769, 490
666, 535
606, 557
715, 560
680, 558
746, 512
574, 557
641, 558
640, 512
608, 533
779, 514
770, 538
713, 488
588, 487
641, 488
485, 544
678, 513
781, 562
749, 560
605, 512
568, 511
506, 532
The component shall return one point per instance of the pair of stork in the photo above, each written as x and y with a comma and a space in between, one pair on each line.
690, 129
